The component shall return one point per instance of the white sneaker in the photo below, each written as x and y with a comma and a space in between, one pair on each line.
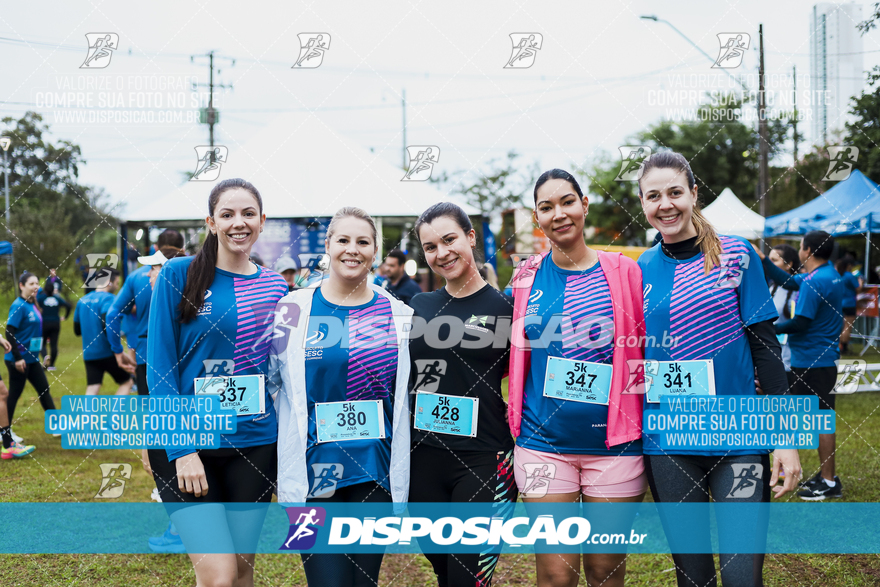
155, 495
16, 437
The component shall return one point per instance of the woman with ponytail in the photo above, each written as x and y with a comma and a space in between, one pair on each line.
207, 323
707, 294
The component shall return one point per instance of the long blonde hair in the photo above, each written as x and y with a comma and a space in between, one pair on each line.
707, 238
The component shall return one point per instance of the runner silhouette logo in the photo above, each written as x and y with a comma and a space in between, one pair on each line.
430, 371
843, 158
538, 477
525, 49
304, 523
312, 47
113, 478
746, 477
326, 477
732, 49
101, 48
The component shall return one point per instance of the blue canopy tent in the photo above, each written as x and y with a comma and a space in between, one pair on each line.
851, 207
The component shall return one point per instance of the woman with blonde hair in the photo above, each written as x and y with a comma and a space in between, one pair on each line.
340, 366
708, 293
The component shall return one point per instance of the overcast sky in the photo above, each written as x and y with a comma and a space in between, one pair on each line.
600, 75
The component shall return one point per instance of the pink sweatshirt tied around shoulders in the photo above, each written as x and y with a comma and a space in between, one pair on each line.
624, 409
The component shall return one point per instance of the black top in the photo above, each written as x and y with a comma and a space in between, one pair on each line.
766, 351
472, 366
405, 290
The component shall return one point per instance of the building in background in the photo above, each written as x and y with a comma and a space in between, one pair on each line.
836, 70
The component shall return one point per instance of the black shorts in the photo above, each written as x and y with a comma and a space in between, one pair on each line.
234, 475
818, 381
95, 371
140, 376
849, 311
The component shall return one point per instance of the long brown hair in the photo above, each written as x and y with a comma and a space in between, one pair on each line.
200, 274
707, 238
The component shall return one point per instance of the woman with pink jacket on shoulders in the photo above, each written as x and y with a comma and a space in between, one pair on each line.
576, 377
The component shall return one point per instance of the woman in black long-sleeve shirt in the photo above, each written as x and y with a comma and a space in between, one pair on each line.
51, 303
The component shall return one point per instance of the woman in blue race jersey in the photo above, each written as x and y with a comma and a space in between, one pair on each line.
851, 284
24, 331
708, 293
207, 322
51, 303
340, 366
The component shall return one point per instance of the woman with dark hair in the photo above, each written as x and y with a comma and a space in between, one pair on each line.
851, 284
51, 303
462, 450
24, 331
340, 369
207, 317
578, 430
709, 293
786, 258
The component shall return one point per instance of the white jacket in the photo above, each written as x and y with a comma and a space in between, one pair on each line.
287, 378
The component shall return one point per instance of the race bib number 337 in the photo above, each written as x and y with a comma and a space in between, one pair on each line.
243, 393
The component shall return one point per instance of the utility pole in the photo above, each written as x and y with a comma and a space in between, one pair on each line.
4, 144
795, 121
403, 105
211, 116
763, 177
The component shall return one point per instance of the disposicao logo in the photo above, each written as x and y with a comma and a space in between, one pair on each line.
303, 527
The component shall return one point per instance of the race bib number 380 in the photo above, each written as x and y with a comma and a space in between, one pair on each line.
678, 378
357, 420
243, 393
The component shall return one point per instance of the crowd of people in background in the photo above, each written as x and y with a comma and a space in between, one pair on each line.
786, 316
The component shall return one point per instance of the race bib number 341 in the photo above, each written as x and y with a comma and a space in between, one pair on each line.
679, 378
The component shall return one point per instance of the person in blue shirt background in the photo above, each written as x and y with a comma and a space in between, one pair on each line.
24, 331
397, 281
133, 300
707, 293
89, 322
209, 317
814, 336
50, 303
851, 284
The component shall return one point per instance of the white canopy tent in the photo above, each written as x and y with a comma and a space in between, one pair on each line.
730, 216
303, 169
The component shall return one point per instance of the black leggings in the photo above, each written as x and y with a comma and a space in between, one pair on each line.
690, 479
347, 570
33, 372
140, 378
51, 332
441, 475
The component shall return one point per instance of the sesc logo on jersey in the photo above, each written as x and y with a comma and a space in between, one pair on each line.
205, 310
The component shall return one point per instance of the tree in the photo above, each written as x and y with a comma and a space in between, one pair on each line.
501, 184
55, 219
864, 131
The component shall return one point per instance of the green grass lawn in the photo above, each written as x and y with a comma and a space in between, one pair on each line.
55, 475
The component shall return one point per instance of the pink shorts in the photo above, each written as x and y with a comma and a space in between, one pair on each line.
541, 473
